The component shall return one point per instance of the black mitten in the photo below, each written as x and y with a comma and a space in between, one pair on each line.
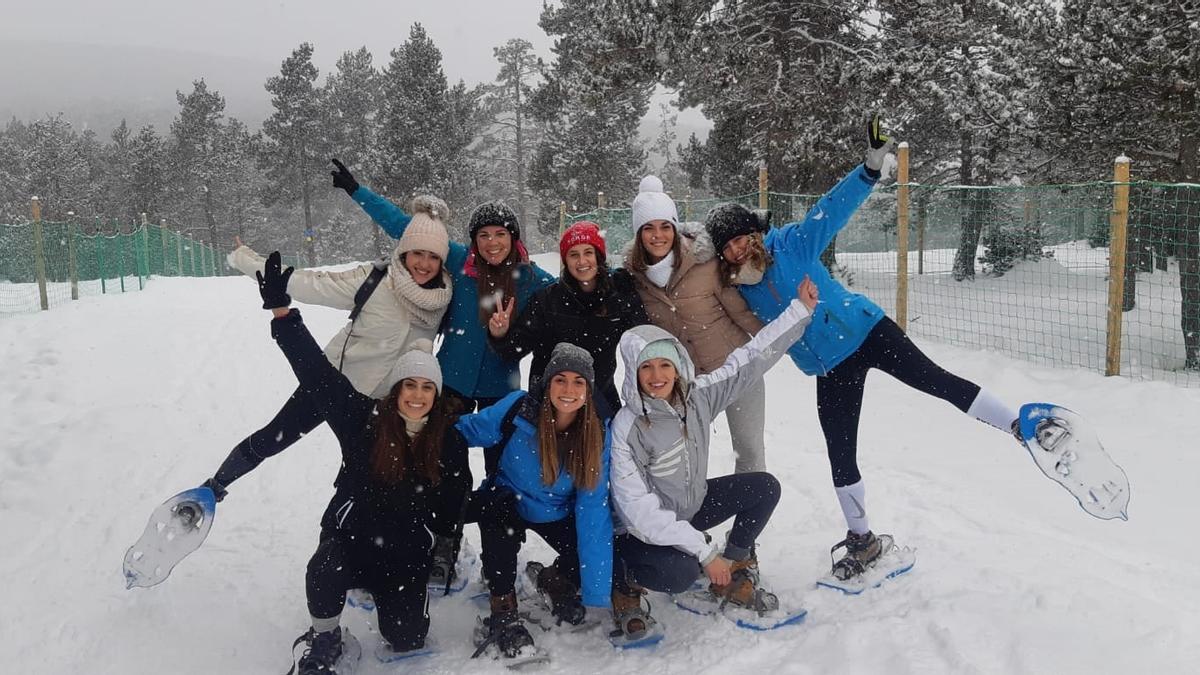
272, 283
342, 178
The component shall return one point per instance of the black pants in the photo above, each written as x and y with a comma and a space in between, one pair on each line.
502, 531
840, 391
395, 575
461, 404
297, 417
748, 498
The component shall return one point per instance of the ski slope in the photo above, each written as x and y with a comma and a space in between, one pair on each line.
112, 404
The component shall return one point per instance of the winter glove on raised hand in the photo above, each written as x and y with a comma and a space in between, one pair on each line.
878, 146
272, 283
218, 489
342, 178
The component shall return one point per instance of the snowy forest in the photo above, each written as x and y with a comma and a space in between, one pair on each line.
985, 91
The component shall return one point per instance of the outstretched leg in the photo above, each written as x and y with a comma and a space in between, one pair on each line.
297, 417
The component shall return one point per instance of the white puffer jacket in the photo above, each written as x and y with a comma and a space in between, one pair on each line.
397, 313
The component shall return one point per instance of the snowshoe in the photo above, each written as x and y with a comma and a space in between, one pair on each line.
870, 560
635, 627
175, 529
449, 572
1067, 450
555, 593
504, 636
742, 600
385, 654
335, 652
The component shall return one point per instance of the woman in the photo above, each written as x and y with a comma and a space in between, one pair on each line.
850, 334
676, 275
588, 307
404, 469
552, 479
492, 270
660, 465
407, 305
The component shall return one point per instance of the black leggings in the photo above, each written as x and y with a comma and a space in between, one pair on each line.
840, 391
297, 417
748, 498
502, 531
394, 574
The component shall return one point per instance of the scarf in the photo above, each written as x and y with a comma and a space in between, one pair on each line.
425, 306
412, 427
748, 274
660, 272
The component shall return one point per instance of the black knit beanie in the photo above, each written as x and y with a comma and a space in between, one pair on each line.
728, 220
494, 213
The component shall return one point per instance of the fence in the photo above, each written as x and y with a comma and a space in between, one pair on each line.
48, 264
1036, 278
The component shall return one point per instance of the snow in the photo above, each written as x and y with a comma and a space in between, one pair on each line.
112, 404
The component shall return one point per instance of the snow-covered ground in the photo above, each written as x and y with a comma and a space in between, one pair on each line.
111, 404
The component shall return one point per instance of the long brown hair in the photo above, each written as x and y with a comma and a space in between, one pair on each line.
491, 278
395, 457
639, 257
757, 252
579, 449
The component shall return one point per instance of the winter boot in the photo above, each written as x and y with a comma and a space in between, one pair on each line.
563, 594
503, 628
633, 620
322, 653
442, 572
861, 551
743, 589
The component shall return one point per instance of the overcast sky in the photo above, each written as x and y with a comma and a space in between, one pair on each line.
465, 30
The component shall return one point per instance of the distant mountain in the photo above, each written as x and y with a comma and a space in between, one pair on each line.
95, 86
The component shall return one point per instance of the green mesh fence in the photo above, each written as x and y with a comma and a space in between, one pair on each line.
75, 265
1018, 270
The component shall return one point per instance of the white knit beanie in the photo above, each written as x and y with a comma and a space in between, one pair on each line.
418, 361
652, 204
426, 231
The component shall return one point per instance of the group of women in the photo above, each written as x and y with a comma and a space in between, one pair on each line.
615, 481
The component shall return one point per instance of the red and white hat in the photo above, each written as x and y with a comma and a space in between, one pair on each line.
583, 232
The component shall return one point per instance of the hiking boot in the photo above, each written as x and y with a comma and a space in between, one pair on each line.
633, 620
503, 628
743, 589
565, 603
322, 653
861, 551
442, 572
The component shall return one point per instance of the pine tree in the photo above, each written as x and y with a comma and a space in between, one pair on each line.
195, 160
147, 173
512, 132
14, 173
415, 114
291, 152
352, 96
58, 169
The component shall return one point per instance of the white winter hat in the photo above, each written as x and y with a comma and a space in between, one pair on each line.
427, 230
418, 361
652, 204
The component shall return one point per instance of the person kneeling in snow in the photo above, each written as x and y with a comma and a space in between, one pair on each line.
660, 465
404, 472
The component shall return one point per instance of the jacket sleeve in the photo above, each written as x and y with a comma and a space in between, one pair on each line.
594, 534
640, 509
390, 217
482, 429
736, 308
312, 287
541, 278
345, 409
748, 363
525, 333
829, 215
451, 495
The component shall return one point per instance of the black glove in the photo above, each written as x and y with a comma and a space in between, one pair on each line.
272, 284
878, 146
342, 178
217, 488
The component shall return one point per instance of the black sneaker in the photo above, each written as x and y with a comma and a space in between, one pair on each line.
322, 653
861, 551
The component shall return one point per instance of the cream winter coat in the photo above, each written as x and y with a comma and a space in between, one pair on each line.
397, 313
710, 319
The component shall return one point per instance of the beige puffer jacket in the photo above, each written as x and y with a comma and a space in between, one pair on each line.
710, 319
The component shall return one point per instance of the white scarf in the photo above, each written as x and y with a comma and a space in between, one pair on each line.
660, 272
412, 427
748, 274
424, 305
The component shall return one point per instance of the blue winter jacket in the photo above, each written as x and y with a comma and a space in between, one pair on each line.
842, 319
521, 471
469, 365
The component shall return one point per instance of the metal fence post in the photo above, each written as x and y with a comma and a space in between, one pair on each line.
902, 237
687, 207
39, 253
1119, 221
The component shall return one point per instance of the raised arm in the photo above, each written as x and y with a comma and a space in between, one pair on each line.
390, 217
312, 287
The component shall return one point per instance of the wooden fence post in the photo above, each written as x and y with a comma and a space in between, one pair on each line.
902, 237
562, 218
762, 184
39, 252
192, 251
1118, 221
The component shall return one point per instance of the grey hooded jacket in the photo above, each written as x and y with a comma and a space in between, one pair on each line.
659, 457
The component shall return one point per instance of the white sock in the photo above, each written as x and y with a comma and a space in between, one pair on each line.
853, 499
990, 410
326, 625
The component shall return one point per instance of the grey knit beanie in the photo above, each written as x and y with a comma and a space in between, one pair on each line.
568, 357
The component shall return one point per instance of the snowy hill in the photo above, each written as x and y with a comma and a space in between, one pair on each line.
110, 405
